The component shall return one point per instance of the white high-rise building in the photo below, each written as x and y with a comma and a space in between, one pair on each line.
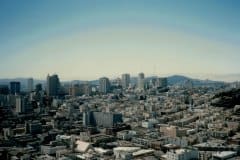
125, 80
141, 81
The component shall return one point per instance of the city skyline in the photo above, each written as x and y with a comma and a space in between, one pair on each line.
88, 40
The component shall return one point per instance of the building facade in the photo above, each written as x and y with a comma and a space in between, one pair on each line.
53, 85
15, 87
182, 154
101, 119
125, 80
30, 84
104, 85
141, 81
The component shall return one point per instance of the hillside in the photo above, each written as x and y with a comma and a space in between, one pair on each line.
227, 99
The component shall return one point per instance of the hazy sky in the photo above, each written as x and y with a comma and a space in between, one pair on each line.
87, 39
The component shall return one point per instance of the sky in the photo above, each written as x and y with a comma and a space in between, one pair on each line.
86, 40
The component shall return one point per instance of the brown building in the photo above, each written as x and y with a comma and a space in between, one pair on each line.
173, 131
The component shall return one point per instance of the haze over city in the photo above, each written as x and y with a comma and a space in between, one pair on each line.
89, 39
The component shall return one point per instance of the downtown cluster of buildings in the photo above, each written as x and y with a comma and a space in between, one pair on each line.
124, 118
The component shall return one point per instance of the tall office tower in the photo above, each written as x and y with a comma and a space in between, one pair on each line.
20, 106
23, 105
38, 87
53, 85
161, 82
141, 81
4, 89
104, 85
15, 87
30, 84
125, 80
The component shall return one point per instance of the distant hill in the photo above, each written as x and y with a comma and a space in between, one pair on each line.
177, 79
180, 80
172, 80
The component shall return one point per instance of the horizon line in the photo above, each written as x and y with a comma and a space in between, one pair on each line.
203, 76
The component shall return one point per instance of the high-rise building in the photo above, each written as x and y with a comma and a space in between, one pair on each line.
20, 106
38, 87
4, 89
125, 80
23, 105
141, 81
53, 85
15, 87
104, 85
30, 84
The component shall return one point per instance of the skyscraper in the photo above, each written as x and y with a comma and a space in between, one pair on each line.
104, 85
141, 81
53, 85
38, 87
30, 85
4, 89
15, 87
22, 105
19, 105
125, 80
